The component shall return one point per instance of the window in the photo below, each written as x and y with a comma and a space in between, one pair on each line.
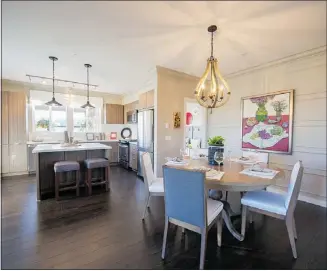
79, 117
53, 119
86, 120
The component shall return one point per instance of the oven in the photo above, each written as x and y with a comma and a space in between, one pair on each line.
132, 116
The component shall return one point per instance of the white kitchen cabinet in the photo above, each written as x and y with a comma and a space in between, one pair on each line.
18, 158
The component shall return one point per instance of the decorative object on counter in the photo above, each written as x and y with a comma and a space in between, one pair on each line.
88, 105
212, 90
113, 135
126, 133
177, 119
216, 144
53, 102
269, 126
89, 136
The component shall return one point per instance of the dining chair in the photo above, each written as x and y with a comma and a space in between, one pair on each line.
187, 206
154, 186
276, 205
259, 156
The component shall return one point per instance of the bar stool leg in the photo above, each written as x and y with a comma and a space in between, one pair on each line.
57, 181
77, 182
106, 178
89, 180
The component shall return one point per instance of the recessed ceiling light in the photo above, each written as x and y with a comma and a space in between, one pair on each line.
44, 83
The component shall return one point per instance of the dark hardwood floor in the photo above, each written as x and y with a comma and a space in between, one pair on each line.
105, 231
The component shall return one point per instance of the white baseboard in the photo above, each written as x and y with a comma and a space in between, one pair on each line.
306, 197
14, 174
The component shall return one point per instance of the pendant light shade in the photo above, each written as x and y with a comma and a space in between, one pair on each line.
87, 105
53, 101
212, 90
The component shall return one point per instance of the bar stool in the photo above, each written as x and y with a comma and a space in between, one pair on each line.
94, 163
64, 167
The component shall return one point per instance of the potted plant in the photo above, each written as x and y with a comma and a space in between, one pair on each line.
216, 144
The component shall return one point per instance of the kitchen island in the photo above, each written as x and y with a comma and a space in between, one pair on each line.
49, 154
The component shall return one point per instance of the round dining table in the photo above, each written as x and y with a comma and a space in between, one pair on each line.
232, 181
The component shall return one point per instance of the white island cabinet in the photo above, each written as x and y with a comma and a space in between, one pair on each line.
49, 154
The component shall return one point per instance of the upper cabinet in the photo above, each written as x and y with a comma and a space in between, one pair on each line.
114, 114
130, 107
146, 100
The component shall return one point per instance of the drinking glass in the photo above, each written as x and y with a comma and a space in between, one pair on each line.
219, 158
183, 153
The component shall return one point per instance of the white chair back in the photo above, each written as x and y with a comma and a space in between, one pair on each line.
294, 187
147, 169
259, 156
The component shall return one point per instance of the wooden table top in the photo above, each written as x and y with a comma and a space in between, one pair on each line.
233, 180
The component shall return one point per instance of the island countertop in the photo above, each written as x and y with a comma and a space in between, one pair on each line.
58, 148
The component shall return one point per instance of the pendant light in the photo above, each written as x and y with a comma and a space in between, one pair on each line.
212, 90
87, 105
53, 102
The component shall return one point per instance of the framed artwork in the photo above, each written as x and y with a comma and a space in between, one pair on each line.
267, 122
177, 119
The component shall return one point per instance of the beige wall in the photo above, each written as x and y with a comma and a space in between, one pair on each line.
172, 88
306, 73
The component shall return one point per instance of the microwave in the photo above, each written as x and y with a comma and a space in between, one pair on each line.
132, 116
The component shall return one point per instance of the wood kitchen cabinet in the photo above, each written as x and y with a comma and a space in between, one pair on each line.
146, 100
13, 132
114, 114
130, 107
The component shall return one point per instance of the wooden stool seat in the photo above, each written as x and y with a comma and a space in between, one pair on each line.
65, 167
95, 163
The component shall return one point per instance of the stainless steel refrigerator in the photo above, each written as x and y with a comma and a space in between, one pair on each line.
145, 136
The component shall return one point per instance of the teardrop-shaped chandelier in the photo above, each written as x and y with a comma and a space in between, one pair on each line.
212, 90
88, 105
53, 102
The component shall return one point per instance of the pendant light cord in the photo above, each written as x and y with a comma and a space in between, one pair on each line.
53, 77
88, 84
211, 44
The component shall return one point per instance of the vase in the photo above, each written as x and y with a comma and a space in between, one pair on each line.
278, 115
261, 114
211, 152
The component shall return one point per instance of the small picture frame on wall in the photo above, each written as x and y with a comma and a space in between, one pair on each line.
177, 119
267, 122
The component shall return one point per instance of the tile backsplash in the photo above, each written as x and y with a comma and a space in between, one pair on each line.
105, 128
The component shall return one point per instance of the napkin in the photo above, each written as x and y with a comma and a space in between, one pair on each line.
266, 173
214, 174
247, 162
177, 163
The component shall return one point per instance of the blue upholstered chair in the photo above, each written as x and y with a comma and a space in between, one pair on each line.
276, 205
187, 205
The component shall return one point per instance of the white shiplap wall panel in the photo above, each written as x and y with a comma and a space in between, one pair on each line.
307, 75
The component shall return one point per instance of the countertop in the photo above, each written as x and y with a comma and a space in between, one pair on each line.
80, 141
57, 147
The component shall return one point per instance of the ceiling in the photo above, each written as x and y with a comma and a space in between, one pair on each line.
124, 41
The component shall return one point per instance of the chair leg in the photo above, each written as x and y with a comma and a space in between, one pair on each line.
203, 247
57, 181
226, 196
89, 180
146, 206
289, 226
294, 228
77, 182
164, 243
244, 208
219, 228
106, 178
